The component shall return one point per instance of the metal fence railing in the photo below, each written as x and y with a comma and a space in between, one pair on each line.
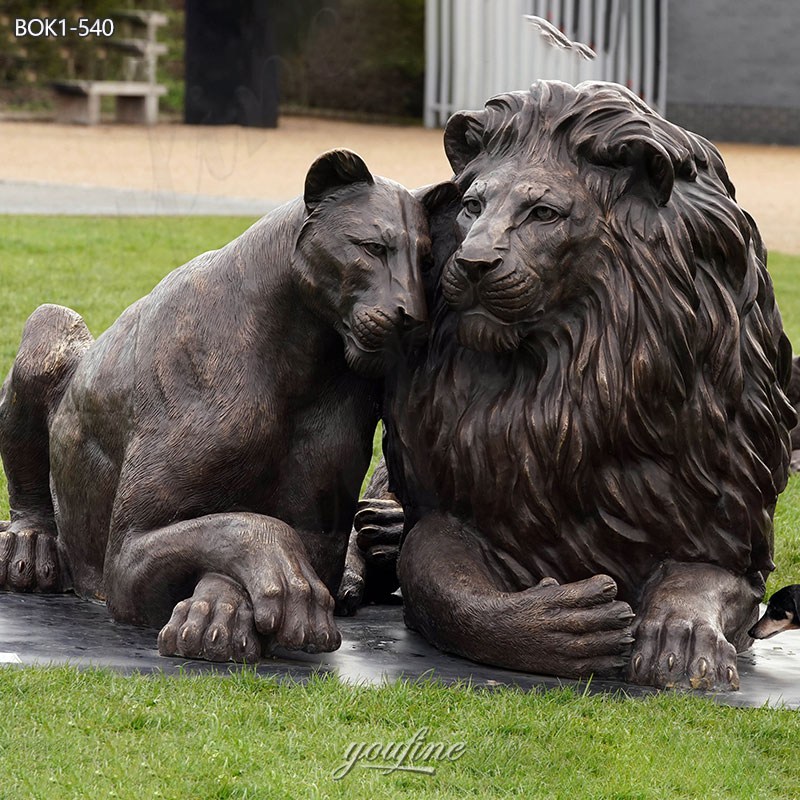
478, 48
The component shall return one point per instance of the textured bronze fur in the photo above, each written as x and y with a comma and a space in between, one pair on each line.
207, 449
601, 396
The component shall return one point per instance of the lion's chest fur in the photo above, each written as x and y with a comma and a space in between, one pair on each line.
467, 436
507, 444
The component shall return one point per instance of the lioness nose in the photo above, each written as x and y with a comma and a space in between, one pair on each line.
475, 269
411, 314
411, 329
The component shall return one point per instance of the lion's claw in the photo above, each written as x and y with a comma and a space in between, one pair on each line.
676, 653
28, 559
687, 615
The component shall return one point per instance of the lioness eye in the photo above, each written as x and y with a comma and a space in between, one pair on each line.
472, 206
544, 214
374, 248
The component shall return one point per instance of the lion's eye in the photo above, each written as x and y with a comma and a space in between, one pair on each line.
472, 206
544, 214
374, 248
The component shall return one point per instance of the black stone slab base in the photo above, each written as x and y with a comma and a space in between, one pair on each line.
376, 647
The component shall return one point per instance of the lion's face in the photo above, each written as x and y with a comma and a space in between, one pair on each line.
529, 229
361, 251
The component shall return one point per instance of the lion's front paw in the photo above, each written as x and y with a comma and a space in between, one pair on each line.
28, 558
690, 619
678, 651
215, 624
581, 627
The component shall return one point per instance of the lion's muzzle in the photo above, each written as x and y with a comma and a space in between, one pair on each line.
476, 269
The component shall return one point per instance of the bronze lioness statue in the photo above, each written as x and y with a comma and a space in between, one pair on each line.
202, 458
597, 424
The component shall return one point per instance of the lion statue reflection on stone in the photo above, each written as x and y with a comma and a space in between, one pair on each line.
597, 424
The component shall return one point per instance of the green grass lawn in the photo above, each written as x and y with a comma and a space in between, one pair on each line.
98, 735
69, 734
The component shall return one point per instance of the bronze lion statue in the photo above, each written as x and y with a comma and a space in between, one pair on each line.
199, 464
597, 425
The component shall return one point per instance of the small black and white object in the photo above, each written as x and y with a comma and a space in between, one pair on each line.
555, 38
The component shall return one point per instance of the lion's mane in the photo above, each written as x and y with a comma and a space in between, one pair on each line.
648, 420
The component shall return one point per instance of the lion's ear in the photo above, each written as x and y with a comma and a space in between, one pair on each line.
652, 166
332, 171
463, 137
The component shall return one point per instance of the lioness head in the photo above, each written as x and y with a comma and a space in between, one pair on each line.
359, 255
548, 178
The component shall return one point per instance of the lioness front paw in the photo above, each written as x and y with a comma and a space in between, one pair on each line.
28, 558
215, 624
293, 608
680, 653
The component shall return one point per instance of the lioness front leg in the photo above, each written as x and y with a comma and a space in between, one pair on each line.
287, 604
691, 620
457, 599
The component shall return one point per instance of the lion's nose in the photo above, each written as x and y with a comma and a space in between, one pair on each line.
475, 269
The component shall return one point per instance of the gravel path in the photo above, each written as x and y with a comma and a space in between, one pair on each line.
180, 169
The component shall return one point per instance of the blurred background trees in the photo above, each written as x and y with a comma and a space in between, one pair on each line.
355, 56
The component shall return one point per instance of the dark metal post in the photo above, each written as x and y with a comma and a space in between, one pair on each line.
231, 67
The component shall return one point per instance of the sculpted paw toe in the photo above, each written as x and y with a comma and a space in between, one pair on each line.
248, 650
292, 635
168, 640
215, 624
28, 560
637, 662
216, 643
267, 621
189, 642
350, 594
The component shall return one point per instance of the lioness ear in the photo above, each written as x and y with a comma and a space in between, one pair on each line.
463, 137
331, 171
437, 196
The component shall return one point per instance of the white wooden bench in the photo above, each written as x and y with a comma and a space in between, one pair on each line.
79, 101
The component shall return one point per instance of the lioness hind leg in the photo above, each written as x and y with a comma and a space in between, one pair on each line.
53, 343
